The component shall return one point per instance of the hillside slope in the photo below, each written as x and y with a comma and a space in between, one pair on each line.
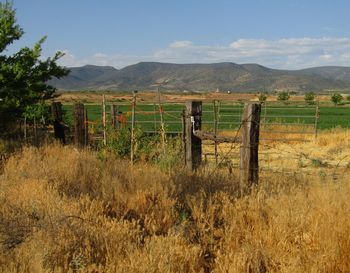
204, 77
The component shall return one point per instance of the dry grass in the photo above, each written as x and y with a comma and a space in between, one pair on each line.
64, 210
328, 154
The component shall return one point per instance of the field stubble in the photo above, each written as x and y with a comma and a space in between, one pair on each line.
65, 210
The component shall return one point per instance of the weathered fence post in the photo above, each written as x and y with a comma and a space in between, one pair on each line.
86, 123
114, 116
104, 119
317, 116
162, 128
57, 114
193, 145
80, 133
133, 122
216, 129
249, 163
184, 134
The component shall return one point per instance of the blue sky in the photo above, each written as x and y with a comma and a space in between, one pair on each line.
276, 33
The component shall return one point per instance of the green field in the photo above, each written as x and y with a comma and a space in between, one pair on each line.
229, 116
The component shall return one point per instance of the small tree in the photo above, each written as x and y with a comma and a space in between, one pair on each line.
283, 96
23, 75
309, 98
262, 97
336, 98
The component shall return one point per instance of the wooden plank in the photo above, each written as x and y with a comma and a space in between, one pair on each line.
193, 143
79, 125
249, 162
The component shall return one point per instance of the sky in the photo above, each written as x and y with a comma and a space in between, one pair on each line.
283, 34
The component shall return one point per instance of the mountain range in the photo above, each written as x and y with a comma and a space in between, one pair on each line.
204, 77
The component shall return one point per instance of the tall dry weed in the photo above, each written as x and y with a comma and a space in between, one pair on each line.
65, 210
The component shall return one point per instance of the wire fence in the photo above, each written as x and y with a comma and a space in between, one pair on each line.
284, 129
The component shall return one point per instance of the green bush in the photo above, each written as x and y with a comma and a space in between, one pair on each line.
309, 98
336, 98
283, 96
147, 148
262, 97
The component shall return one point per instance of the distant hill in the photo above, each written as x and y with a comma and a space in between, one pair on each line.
204, 77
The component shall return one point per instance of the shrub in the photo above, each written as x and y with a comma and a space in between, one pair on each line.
262, 97
309, 98
283, 96
336, 98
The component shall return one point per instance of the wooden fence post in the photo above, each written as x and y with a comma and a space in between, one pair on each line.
58, 126
104, 120
193, 145
249, 163
133, 122
86, 129
79, 125
114, 116
216, 129
184, 135
56, 110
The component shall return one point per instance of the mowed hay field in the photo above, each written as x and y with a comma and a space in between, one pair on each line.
67, 210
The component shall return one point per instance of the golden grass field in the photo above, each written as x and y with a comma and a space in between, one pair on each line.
66, 210
328, 153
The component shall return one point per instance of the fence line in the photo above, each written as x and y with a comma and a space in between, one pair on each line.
221, 122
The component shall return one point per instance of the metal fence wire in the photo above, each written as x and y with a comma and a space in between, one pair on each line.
283, 126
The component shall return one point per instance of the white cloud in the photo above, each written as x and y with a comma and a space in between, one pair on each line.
100, 55
288, 53
70, 59
179, 44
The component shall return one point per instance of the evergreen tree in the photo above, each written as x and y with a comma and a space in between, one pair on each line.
23, 75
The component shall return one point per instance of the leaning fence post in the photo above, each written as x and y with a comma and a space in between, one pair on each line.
193, 145
80, 133
249, 163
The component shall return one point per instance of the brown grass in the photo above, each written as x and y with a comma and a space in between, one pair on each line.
64, 210
328, 154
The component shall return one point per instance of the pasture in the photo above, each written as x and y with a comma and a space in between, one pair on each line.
329, 116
